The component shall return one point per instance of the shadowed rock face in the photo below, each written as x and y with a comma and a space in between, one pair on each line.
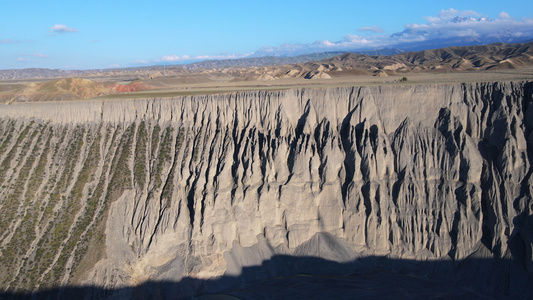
112, 194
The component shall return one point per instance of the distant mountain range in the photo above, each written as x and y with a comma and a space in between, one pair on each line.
486, 57
318, 65
264, 61
465, 58
33, 73
440, 33
507, 37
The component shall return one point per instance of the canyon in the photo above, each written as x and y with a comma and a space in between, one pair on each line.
423, 185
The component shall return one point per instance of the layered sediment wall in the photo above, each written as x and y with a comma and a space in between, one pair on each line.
116, 193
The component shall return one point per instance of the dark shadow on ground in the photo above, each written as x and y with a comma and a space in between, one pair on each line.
291, 277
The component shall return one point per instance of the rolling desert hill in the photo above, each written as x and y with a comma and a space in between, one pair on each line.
467, 58
58, 90
66, 89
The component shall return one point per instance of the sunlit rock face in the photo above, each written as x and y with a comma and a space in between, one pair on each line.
114, 194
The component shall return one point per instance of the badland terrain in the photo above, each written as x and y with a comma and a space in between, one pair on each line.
354, 176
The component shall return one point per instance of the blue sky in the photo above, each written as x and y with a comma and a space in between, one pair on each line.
101, 34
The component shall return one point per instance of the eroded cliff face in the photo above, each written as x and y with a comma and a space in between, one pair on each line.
116, 193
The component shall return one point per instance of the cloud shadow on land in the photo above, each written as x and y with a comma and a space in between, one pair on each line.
292, 277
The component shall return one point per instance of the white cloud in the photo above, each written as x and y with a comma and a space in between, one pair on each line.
371, 29
184, 58
60, 28
453, 23
220, 56
142, 61
28, 57
503, 15
448, 24
447, 15
174, 57
114, 66
202, 57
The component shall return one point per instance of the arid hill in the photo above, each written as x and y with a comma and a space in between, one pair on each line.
66, 89
62, 89
468, 58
